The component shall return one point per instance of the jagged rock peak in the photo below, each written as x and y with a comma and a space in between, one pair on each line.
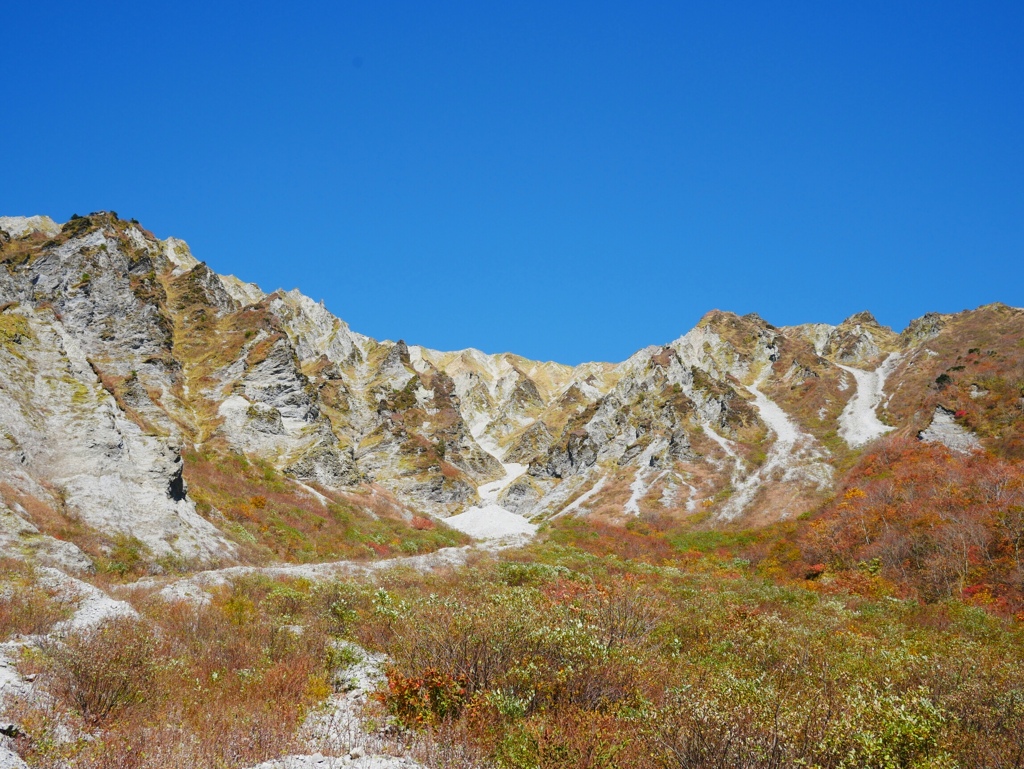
753, 317
403, 351
863, 318
19, 226
180, 255
860, 341
927, 326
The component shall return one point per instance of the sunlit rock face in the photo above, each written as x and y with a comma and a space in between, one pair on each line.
120, 354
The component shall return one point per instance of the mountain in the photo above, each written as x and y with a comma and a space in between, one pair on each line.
156, 414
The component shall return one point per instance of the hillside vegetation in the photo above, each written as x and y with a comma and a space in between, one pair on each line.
593, 648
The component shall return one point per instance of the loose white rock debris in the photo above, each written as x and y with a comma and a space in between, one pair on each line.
338, 728
944, 429
11, 760
583, 498
318, 761
673, 488
738, 466
11, 682
859, 424
724, 443
639, 487
793, 454
94, 606
490, 521
192, 587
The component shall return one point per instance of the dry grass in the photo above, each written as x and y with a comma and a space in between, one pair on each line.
602, 662
102, 671
226, 684
646, 647
975, 351
274, 519
26, 607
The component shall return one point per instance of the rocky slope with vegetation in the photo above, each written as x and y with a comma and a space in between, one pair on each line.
185, 457
147, 397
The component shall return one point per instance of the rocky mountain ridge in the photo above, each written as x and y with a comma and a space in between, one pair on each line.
130, 372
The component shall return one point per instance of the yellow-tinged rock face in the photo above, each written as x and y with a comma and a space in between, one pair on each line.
121, 353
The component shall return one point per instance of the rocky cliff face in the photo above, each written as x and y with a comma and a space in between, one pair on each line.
125, 364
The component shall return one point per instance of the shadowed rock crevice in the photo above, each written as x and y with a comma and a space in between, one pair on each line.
176, 488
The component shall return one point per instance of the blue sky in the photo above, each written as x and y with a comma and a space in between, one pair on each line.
569, 181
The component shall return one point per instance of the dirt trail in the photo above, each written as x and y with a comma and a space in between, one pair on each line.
193, 586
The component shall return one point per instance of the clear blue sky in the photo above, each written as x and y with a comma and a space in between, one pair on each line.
569, 181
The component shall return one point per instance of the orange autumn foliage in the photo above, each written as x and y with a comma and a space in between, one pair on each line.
940, 523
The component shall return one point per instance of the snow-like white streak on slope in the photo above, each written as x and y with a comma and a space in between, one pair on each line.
726, 445
671, 492
489, 491
489, 520
785, 438
859, 422
639, 487
582, 498
691, 501
784, 454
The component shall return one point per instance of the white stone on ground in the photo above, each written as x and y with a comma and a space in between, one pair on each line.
11, 682
192, 587
317, 761
338, 729
94, 606
11, 760
491, 523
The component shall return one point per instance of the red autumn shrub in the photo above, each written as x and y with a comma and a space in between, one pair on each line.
929, 519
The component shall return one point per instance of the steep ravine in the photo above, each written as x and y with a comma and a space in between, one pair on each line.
859, 422
488, 520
